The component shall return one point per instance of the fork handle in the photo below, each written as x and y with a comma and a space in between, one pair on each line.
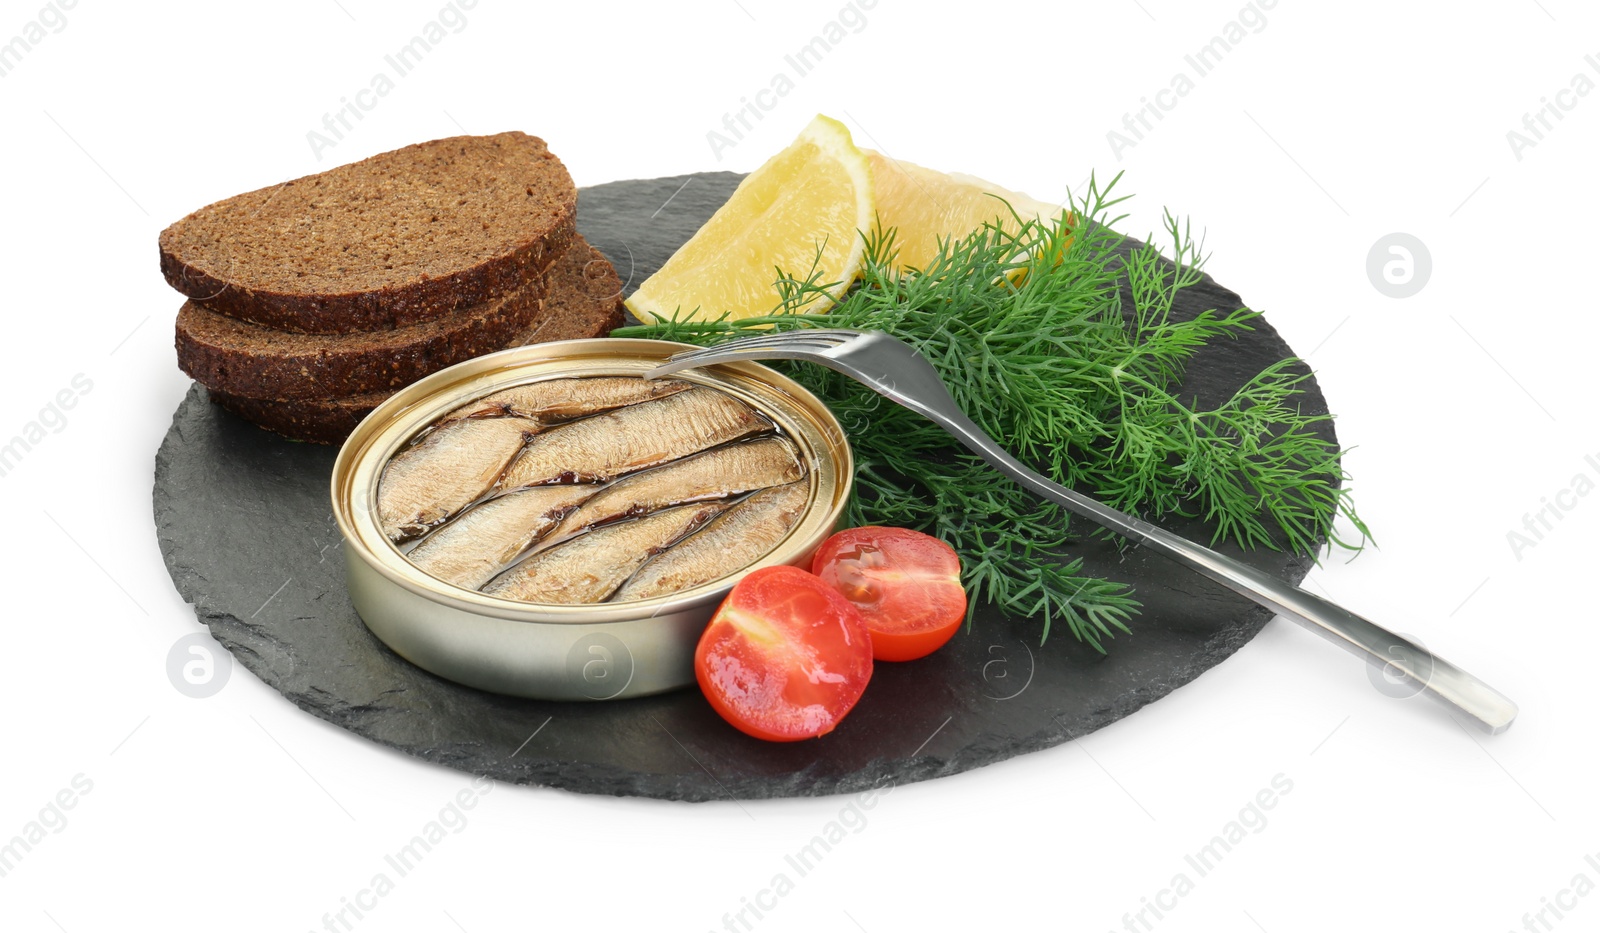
1492, 710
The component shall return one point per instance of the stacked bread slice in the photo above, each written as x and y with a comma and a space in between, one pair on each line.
312, 301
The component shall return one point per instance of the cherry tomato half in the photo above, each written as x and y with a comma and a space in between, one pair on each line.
785, 657
906, 584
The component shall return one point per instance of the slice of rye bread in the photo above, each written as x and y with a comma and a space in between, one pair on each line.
584, 300
387, 242
253, 361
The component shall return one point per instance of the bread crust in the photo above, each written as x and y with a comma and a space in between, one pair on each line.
198, 253
252, 361
317, 421
584, 299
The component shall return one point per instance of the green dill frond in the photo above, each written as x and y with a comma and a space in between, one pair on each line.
1059, 341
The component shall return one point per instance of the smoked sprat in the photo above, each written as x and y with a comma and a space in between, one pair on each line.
583, 490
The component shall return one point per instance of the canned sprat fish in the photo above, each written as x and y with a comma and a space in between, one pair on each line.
544, 522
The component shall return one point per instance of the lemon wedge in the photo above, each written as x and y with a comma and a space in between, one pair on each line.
806, 205
924, 205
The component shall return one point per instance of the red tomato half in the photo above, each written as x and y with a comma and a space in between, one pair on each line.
785, 657
906, 584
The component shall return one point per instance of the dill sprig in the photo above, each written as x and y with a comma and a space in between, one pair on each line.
1058, 340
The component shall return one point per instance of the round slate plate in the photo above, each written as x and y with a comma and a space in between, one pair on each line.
245, 529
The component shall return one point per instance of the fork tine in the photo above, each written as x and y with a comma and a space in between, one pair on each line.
832, 337
822, 338
814, 344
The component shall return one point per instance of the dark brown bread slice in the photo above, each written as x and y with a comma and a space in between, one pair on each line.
390, 241
320, 421
584, 300
253, 361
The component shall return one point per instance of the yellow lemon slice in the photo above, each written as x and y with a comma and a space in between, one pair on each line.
924, 205
806, 205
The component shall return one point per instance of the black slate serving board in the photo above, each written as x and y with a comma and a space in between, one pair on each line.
245, 528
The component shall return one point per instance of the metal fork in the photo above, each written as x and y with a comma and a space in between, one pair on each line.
898, 372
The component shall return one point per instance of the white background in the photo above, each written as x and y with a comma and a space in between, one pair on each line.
1468, 404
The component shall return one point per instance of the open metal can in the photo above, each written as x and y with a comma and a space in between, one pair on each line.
598, 651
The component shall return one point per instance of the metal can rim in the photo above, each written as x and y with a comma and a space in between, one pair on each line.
358, 466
